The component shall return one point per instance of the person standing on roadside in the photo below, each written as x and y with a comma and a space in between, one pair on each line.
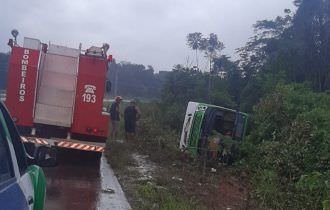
115, 116
131, 115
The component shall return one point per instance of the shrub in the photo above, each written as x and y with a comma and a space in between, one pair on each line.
288, 150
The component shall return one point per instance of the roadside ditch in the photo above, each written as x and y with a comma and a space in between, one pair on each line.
157, 177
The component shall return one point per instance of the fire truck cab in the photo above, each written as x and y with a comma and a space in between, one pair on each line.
55, 94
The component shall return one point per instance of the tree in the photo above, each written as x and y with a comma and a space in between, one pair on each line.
229, 70
212, 46
188, 84
311, 27
296, 44
194, 41
261, 47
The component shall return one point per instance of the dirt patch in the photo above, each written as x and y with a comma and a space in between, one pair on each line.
232, 190
154, 178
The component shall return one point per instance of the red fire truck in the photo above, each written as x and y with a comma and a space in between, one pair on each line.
55, 94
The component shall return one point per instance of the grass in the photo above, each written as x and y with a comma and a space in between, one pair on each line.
161, 192
114, 152
177, 181
155, 197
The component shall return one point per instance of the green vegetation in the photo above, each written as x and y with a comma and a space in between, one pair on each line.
176, 181
282, 80
288, 150
184, 85
159, 144
119, 162
159, 141
156, 197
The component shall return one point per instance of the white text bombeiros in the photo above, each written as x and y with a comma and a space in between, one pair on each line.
24, 68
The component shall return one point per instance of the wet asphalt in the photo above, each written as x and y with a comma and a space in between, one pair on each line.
74, 183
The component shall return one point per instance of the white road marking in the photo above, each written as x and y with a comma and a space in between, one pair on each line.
113, 201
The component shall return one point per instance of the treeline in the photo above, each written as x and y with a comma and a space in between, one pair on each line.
134, 81
282, 80
286, 68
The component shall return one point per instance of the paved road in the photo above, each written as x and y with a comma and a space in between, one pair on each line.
81, 182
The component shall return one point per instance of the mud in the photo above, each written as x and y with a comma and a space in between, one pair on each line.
144, 166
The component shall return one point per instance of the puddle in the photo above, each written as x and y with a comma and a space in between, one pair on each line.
83, 184
144, 167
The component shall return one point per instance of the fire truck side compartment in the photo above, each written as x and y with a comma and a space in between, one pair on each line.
21, 86
89, 119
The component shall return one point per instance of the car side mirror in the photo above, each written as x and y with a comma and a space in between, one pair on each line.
45, 156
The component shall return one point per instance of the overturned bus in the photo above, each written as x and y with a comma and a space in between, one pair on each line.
201, 120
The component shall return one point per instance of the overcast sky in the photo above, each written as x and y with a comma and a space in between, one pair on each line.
149, 32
